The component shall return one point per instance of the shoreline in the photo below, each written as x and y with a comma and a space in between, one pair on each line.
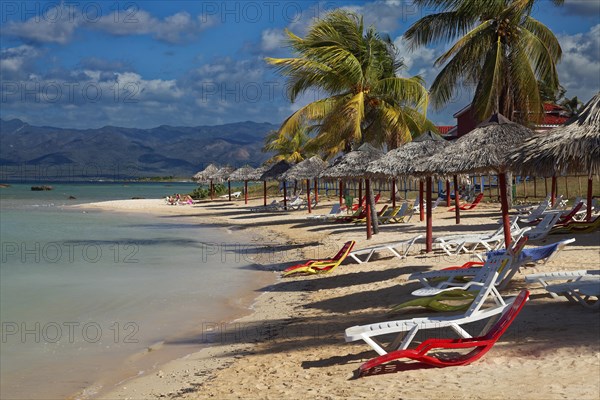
165, 377
291, 344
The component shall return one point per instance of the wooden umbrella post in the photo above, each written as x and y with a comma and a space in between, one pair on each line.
308, 194
229, 189
456, 200
394, 193
316, 190
588, 217
212, 191
284, 195
447, 193
341, 193
567, 186
265, 193
429, 231
504, 203
421, 210
245, 192
368, 207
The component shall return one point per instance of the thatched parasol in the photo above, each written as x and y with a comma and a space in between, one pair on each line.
245, 174
354, 165
572, 148
307, 170
401, 162
275, 173
223, 175
482, 150
206, 175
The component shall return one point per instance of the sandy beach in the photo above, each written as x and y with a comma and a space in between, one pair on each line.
291, 344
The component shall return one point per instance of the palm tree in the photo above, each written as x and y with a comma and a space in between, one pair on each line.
501, 50
357, 70
289, 146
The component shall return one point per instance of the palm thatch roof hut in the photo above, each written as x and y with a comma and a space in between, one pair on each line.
483, 150
573, 148
401, 162
206, 174
307, 170
223, 173
275, 172
245, 174
352, 165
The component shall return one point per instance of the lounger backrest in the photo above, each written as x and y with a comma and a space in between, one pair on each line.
507, 317
346, 248
488, 275
403, 208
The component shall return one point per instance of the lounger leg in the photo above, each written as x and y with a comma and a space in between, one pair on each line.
390, 248
374, 345
355, 257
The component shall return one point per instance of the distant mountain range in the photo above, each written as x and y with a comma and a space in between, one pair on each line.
49, 153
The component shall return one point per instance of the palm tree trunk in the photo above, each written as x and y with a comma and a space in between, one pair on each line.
370, 199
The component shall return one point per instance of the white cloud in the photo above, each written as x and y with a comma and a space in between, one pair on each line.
13, 59
272, 39
579, 70
55, 25
59, 23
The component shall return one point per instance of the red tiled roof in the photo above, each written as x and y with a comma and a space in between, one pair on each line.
443, 129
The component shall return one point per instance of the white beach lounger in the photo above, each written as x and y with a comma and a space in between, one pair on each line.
335, 211
584, 291
538, 255
399, 249
405, 330
568, 276
542, 229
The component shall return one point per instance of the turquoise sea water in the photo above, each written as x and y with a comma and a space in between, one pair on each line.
83, 293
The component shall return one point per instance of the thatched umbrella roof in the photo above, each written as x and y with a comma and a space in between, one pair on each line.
402, 161
483, 150
246, 173
572, 148
206, 174
307, 169
223, 173
353, 164
276, 171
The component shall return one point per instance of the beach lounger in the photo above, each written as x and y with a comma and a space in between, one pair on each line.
521, 257
429, 353
399, 249
396, 212
234, 194
275, 205
334, 212
565, 216
379, 214
469, 206
583, 291
405, 330
577, 227
542, 229
321, 265
544, 279
535, 213
526, 209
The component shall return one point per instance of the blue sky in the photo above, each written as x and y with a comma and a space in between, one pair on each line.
87, 64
